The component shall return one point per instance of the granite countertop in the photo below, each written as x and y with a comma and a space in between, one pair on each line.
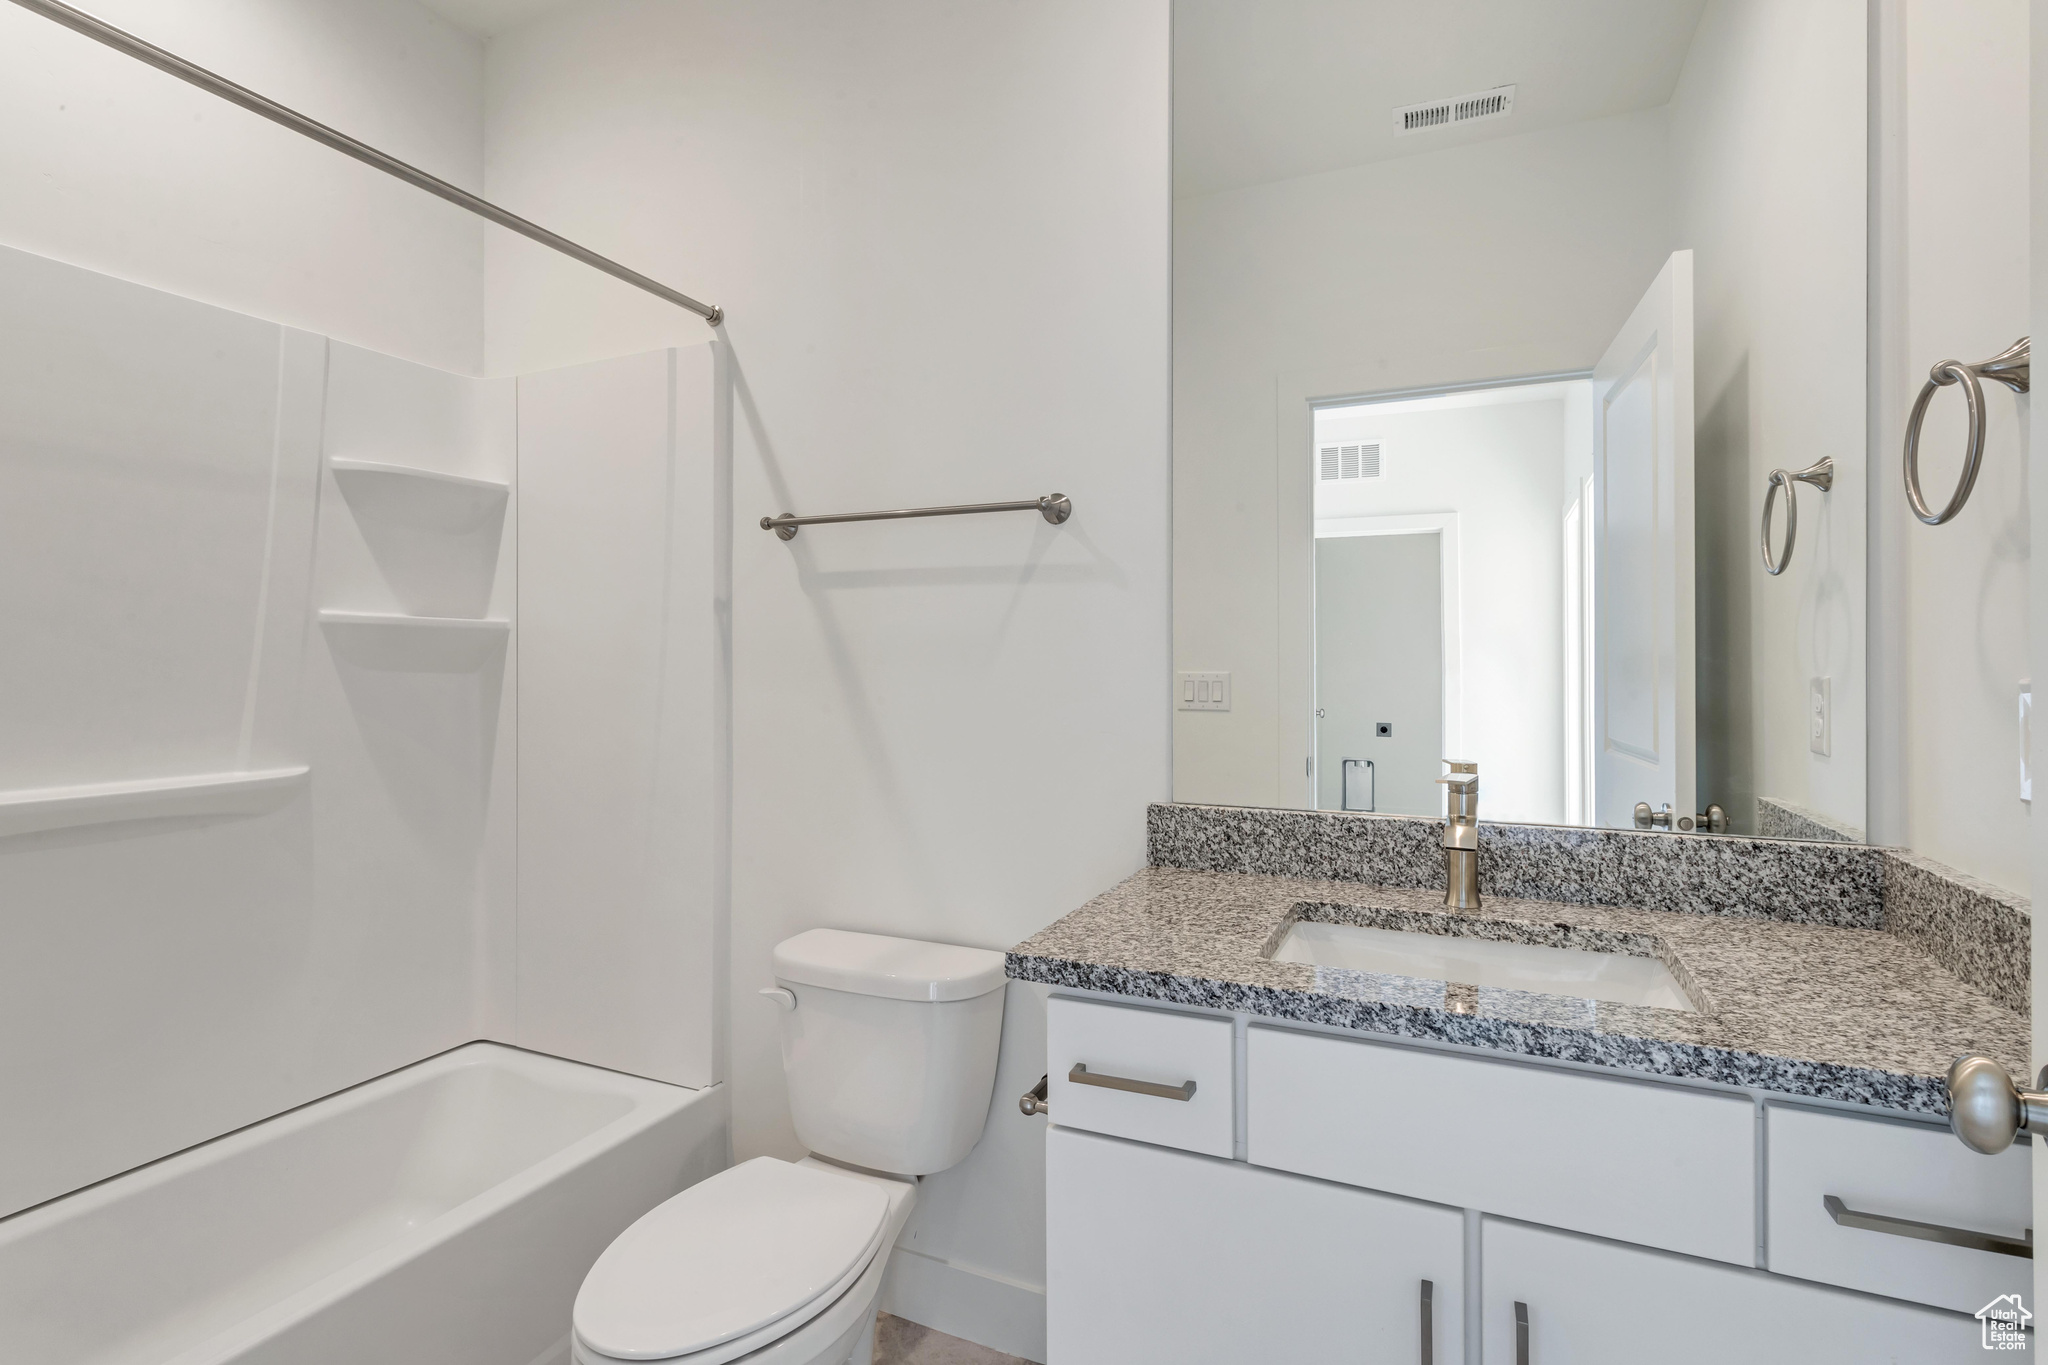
1815, 1010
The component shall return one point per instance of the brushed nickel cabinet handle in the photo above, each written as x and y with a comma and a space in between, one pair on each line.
1428, 1323
1847, 1217
1081, 1075
1521, 1333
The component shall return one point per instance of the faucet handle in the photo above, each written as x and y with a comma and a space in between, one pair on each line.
1461, 791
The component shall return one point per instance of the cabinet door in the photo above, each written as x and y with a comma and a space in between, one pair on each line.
1596, 1303
1154, 1255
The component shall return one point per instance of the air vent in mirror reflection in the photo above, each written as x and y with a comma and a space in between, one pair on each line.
1360, 461
1498, 102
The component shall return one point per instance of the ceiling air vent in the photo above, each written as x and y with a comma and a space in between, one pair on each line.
1361, 461
1498, 102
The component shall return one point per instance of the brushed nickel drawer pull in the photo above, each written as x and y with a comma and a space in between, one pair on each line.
1081, 1075
1928, 1232
1428, 1323
1521, 1333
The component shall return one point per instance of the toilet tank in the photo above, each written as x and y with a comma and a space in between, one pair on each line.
890, 1052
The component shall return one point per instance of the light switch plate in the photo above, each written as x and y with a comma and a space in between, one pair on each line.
2026, 739
1201, 691
1820, 719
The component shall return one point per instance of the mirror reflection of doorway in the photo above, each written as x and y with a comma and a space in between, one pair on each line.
1379, 671
1461, 489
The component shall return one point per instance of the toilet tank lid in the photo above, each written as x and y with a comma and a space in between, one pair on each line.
894, 968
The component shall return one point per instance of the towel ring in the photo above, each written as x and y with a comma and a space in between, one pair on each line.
2008, 367
1821, 474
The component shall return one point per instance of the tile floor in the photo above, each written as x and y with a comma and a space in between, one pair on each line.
898, 1342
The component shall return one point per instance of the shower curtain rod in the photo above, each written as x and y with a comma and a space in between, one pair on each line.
100, 31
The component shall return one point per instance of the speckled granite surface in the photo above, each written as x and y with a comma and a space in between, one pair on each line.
1981, 933
1790, 1004
1777, 819
1807, 883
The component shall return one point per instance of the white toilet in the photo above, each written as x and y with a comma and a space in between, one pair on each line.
889, 1051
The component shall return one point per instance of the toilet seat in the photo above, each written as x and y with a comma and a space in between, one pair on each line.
731, 1265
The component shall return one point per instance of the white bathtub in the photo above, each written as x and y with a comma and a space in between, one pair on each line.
442, 1215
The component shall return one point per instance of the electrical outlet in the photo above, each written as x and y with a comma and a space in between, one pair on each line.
1202, 691
1820, 719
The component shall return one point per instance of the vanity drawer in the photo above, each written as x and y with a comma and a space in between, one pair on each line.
1155, 1048
1658, 1165
1894, 1170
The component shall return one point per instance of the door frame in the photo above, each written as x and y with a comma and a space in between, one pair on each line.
1891, 15
1450, 619
1297, 396
1579, 661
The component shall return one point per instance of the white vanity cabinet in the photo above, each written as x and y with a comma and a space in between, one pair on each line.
1159, 1255
1588, 1302
1226, 1189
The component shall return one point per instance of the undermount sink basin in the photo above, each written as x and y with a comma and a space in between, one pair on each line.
1620, 977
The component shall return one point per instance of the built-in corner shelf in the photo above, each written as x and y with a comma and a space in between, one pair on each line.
420, 497
429, 644
32, 810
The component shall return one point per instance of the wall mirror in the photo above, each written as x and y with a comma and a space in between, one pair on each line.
1497, 327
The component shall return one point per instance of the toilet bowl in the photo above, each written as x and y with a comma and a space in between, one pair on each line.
889, 1053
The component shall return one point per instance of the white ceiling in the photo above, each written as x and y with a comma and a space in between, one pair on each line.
1498, 395
1281, 88
488, 18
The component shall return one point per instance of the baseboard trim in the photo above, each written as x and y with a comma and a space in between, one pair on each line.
977, 1305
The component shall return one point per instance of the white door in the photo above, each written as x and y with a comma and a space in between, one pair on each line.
1158, 1257
1643, 539
1600, 1303
1380, 673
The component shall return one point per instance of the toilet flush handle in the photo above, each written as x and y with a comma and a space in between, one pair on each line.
784, 998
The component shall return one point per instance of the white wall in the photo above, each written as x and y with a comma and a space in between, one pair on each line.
941, 234
1498, 464
1777, 228
1506, 258
1950, 609
114, 166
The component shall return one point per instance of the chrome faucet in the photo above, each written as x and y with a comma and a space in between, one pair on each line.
1461, 834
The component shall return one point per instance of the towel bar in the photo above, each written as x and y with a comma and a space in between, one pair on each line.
1054, 507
